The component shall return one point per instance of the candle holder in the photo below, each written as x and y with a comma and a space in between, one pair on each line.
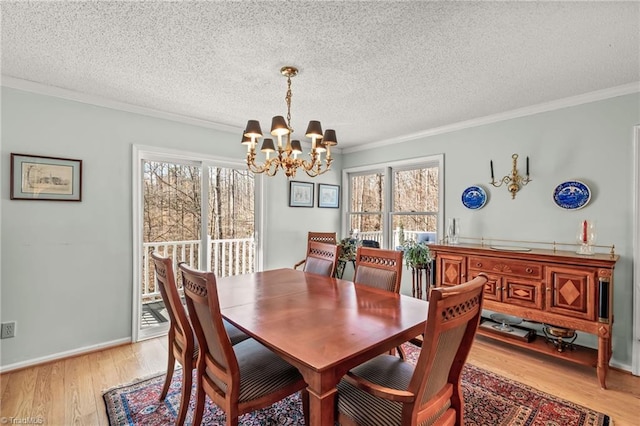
514, 181
453, 230
586, 237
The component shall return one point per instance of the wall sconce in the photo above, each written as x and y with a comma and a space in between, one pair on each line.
514, 181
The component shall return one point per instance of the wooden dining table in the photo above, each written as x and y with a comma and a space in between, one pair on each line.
323, 326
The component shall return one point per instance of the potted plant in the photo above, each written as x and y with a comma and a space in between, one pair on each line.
416, 255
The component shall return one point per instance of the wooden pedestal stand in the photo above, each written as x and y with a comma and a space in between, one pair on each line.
416, 276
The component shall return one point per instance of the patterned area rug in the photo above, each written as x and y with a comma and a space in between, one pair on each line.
489, 400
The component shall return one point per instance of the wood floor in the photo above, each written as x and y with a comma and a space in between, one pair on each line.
69, 392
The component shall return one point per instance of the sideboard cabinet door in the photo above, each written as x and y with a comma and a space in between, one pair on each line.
571, 292
451, 269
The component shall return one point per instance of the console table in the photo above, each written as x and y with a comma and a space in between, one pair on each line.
554, 287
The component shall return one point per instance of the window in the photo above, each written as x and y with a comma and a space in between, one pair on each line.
401, 198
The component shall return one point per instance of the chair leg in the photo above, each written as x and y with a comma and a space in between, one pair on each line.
187, 381
167, 381
401, 353
199, 410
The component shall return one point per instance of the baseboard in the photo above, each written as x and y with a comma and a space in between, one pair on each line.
62, 355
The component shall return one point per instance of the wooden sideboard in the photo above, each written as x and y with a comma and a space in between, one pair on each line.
552, 287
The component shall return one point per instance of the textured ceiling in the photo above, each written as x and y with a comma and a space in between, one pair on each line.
373, 71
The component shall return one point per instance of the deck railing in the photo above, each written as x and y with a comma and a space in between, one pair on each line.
225, 257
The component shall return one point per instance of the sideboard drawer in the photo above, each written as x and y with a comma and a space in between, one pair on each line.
506, 267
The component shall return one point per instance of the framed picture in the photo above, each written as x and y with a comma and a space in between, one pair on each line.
34, 177
328, 196
300, 194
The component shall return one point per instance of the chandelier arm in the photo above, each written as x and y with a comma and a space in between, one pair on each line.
273, 172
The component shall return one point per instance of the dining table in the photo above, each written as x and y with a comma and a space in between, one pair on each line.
323, 326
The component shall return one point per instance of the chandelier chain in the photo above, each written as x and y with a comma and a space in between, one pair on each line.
288, 99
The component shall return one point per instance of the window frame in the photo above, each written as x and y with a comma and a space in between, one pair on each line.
387, 170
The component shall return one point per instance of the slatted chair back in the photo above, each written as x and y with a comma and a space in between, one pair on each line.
237, 378
181, 341
379, 268
390, 391
323, 237
322, 258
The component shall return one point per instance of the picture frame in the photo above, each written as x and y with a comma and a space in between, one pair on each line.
300, 194
328, 196
35, 177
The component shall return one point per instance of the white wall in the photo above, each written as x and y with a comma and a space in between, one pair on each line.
66, 272
590, 142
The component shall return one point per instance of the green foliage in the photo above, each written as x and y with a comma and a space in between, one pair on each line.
349, 247
416, 254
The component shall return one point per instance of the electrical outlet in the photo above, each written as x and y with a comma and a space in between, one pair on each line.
8, 330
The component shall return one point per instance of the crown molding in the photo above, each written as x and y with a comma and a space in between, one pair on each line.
508, 115
58, 92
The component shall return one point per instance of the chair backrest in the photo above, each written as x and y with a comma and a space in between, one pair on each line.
322, 258
378, 268
217, 363
452, 322
179, 327
323, 237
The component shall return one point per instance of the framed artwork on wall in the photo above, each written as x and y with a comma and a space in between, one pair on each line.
34, 177
328, 196
300, 194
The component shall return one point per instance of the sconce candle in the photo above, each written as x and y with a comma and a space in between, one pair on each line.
586, 237
527, 166
491, 162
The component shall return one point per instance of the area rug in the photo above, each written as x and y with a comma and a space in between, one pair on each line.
490, 400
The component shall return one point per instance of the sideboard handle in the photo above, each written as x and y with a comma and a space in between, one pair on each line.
529, 270
478, 264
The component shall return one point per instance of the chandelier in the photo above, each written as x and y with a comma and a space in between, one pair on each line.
285, 155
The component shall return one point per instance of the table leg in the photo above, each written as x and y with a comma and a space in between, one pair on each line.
322, 407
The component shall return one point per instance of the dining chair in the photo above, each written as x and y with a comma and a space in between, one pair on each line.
322, 237
322, 258
378, 268
388, 390
381, 269
183, 347
237, 378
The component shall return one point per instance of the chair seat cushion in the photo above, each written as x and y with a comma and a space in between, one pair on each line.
366, 409
234, 333
262, 371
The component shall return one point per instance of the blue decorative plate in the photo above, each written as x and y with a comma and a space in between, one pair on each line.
474, 197
572, 195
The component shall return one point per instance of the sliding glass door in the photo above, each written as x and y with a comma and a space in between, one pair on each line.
193, 210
